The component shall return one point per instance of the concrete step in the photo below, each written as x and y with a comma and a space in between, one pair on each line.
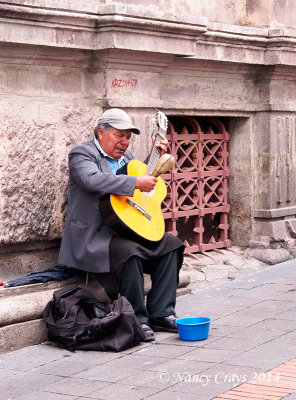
21, 322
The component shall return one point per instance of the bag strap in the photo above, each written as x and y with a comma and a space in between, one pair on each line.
70, 296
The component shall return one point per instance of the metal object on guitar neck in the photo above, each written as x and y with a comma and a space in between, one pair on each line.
165, 162
161, 136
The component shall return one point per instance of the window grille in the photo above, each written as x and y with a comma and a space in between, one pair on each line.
196, 207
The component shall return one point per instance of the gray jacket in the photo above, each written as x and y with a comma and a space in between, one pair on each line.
85, 242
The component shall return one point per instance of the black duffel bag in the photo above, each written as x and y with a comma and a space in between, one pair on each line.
76, 320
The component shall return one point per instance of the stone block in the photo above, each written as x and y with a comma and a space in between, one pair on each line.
216, 272
60, 82
17, 262
27, 207
23, 308
34, 174
270, 256
291, 247
16, 336
184, 279
196, 276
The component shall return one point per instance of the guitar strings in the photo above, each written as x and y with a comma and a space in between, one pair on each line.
154, 157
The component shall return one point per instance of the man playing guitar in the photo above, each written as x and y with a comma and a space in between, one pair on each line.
90, 244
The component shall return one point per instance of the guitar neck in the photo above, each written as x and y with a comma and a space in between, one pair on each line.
154, 156
162, 124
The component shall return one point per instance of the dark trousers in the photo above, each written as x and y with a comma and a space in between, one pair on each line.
161, 298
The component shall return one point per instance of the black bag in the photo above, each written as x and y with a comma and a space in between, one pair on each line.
75, 319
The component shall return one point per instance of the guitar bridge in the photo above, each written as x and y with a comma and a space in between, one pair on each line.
139, 208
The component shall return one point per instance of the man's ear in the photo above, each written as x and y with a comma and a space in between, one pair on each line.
99, 133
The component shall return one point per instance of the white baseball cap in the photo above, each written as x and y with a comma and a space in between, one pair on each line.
118, 119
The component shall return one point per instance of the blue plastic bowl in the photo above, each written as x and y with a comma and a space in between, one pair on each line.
193, 328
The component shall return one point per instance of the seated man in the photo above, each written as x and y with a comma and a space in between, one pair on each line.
90, 245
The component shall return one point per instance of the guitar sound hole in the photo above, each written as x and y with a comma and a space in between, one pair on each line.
149, 194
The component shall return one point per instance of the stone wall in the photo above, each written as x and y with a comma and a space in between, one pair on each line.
62, 63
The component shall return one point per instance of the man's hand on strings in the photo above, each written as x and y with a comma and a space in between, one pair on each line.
146, 183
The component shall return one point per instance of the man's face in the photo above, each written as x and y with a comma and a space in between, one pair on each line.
114, 142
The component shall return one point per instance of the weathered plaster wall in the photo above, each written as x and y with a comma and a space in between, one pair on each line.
260, 13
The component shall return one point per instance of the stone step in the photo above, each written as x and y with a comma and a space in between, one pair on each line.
21, 322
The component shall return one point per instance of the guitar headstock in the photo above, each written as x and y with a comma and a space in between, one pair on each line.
162, 122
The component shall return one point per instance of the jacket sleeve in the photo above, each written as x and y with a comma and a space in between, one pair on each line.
84, 170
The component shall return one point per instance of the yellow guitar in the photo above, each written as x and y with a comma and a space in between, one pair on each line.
139, 217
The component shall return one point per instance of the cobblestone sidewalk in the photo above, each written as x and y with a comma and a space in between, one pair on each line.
214, 267
253, 330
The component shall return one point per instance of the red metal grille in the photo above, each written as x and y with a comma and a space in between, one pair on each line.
196, 208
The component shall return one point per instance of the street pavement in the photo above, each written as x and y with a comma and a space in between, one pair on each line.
253, 330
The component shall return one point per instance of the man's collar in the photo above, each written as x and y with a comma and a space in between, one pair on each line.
99, 147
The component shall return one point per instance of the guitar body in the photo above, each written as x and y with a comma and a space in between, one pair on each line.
138, 217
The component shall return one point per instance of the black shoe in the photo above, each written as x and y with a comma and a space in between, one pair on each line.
148, 332
164, 324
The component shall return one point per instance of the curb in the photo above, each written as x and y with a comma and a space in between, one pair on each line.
21, 322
